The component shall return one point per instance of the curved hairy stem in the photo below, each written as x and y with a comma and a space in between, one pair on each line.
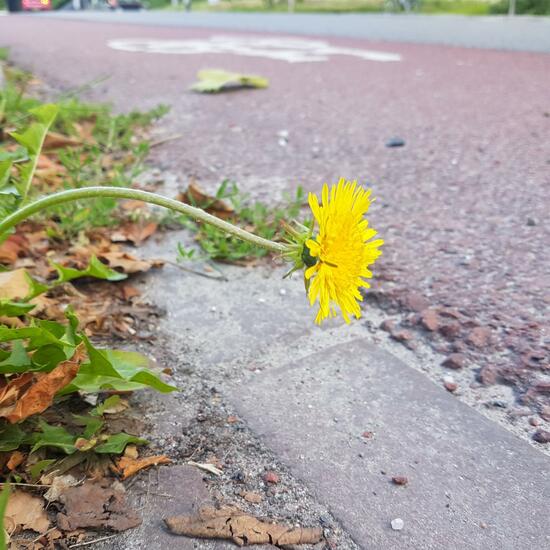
123, 193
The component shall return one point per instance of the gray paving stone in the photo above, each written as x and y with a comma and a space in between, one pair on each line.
472, 484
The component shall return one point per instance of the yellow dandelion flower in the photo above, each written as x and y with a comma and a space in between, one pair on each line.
342, 250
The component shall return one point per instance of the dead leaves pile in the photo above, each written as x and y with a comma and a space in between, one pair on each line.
103, 308
32, 393
74, 502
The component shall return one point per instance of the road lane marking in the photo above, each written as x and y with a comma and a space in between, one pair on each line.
292, 50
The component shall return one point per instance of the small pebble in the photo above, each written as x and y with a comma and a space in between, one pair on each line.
395, 142
498, 403
282, 291
397, 524
400, 480
531, 221
271, 477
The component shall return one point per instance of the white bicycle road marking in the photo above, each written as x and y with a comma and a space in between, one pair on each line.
292, 50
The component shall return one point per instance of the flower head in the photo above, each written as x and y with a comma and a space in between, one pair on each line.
338, 258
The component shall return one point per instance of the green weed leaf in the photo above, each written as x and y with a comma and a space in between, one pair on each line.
36, 469
4, 497
14, 309
92, 425
134, 367
53, 436
45, 113
95, 269
11, 437
115, 370
116, 444
17, 361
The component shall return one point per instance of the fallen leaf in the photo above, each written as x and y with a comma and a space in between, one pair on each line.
59, 485
135, 233
233, 524
27, 512
129, 263
97, 505
129, 292
131, 451
133, 205
12, 247
14, 284
130, 466
11, 391
217, 80
85, 129
196, 196
40, 395
54, 140
16, 458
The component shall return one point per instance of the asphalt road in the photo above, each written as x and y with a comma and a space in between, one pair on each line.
463, 206
520, 33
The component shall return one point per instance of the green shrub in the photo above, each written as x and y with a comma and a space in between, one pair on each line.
523, 7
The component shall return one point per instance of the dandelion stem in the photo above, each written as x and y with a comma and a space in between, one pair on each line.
123, 193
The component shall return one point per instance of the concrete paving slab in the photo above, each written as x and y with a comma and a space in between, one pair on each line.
471, 484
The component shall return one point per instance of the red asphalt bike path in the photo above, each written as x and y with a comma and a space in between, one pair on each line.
463, 206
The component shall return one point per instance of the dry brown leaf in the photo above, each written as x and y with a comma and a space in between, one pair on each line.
195, 195
54, 140
40, 395
129, 291
16, 458
95, 504
45, 162
10, 391
14, 285
12, 322
59, 485
129, 263
85, 129
133, 205
131, 466
135, 233
27, 512
12, 247
233, 524
131, 451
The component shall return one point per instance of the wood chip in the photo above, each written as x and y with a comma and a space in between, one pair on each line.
233, 524
206, 467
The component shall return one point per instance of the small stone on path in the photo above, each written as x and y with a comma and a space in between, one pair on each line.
395, 142
397, 524
400, 480
542, 436
454, 361
271, 477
